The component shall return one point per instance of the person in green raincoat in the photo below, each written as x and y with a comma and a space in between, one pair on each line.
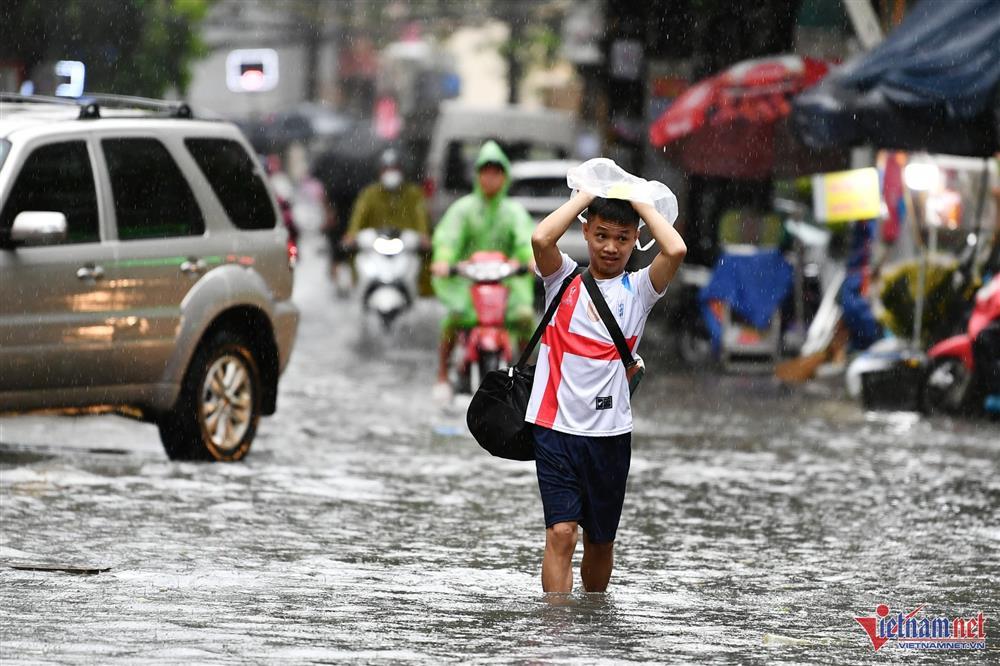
483, 220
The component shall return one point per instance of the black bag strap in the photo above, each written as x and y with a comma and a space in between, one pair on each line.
613, 328
537, 335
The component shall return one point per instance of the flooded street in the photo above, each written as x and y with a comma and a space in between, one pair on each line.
366, 525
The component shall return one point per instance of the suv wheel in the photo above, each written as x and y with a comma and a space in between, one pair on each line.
218, 408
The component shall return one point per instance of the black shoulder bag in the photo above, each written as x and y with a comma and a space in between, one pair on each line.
496, 413
634, 370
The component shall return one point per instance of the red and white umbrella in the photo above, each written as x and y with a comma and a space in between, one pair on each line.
726, 125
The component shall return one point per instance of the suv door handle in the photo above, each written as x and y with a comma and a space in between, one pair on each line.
193, 266
90, 272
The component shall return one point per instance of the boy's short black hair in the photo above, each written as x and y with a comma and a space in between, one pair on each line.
613, 210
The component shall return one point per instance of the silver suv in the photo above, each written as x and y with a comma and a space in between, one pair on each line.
144, 269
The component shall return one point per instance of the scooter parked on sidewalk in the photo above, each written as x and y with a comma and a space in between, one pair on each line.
963, 371
388, 267
692, 341
487, 345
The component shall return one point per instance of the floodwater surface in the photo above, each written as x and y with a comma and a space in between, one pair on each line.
366, 525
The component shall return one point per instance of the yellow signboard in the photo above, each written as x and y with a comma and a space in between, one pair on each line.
845, 196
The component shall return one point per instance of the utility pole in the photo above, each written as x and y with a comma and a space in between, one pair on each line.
513, 60
626, 65
313, 27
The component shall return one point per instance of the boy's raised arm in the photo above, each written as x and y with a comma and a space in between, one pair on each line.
550, 230
672, 247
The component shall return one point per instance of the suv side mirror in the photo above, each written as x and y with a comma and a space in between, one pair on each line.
38, 227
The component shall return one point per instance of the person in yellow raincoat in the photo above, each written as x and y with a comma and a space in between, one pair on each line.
391, 202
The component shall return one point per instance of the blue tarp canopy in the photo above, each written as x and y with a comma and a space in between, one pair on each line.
933, 84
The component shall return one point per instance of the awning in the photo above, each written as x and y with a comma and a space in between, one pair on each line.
933, 84
734, 124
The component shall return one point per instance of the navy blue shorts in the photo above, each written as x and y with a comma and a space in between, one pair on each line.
582, 479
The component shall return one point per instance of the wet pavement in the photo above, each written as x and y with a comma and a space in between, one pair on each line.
366, 526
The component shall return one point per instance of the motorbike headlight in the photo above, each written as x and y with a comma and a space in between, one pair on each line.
495, 271
388, 246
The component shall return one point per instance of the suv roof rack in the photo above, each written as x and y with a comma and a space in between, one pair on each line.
91, 105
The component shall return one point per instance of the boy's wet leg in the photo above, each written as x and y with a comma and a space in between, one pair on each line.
557, 563
598, 560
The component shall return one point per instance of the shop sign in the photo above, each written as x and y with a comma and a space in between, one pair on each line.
845, 196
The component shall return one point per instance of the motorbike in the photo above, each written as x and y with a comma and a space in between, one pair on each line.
964, 370
692, 342
388, 268
487, 345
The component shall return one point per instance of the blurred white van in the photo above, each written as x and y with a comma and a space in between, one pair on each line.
461, 130
540, 186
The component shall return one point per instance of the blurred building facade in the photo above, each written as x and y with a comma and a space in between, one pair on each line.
295, 41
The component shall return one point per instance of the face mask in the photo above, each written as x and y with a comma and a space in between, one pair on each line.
391, 180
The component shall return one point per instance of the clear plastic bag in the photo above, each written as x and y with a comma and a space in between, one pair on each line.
603, 178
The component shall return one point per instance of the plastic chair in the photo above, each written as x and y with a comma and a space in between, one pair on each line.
747, 232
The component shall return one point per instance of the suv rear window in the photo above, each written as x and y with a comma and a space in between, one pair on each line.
235, 180
152, 198
57, 177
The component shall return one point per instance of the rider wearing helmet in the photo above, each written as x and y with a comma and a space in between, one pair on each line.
391, 202
483, 220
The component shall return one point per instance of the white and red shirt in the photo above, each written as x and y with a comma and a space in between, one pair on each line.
580, 386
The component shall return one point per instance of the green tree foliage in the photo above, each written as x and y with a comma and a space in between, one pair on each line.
134, 47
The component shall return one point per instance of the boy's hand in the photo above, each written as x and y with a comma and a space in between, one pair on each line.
643, 208
543, 241
583, 197
440, 269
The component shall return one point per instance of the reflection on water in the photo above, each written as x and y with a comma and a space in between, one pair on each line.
759, 522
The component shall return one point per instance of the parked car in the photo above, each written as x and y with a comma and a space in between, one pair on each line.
540, 186
461, 130
144, 268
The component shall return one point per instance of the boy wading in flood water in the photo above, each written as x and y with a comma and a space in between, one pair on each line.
580, 396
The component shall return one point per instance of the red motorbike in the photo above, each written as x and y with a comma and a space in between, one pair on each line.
486, 346
964, 370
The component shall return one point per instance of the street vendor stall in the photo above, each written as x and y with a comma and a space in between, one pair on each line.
734, 127
933, 86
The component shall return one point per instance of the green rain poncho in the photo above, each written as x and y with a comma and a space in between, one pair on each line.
474, 223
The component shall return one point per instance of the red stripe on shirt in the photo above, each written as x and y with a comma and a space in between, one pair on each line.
560, 340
